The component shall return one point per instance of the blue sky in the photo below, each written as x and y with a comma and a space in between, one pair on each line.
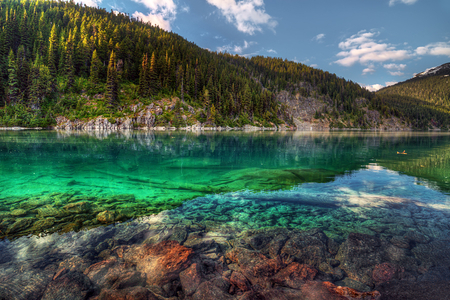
372, 42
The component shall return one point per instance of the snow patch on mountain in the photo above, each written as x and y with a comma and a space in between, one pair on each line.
445, 68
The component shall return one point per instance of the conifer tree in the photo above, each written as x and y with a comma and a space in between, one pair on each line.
153, 76
13, 92
40, 85
53, 51
23, 71
112, 85
95, 70
144, 85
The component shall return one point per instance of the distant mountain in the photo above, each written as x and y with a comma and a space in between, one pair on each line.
423, 99
443, 70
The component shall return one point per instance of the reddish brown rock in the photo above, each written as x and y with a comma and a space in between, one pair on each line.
328, 291
207, 290
267, 268
66, 284
383, 272
238, 280
294, 275
135, 293
349, 293
114, 274
161, 263
190, 279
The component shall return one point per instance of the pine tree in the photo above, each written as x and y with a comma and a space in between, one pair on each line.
153, 76
112, 85
144, 85
53, 51
40, 85
13, 92
95, 70
23, 70
69, 60
213, 114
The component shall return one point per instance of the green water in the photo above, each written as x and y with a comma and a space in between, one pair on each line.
58, 181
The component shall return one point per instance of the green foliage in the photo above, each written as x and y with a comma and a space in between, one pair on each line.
424, 102
57, 45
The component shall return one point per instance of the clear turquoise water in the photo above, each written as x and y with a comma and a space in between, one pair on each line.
58, 181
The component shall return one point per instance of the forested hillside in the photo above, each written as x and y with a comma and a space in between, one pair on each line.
424, 99
64, 61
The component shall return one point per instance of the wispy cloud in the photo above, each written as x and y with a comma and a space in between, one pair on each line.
319, 37
186, 9
162, 12
395, 70
376, 87
364, 49
392, 2
369, 70
249, 16
272, 51
93, 3
442, 48
238, 49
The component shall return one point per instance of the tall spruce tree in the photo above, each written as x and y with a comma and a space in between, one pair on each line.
112, 85
153, 76
95, 69
144, 84
13, 92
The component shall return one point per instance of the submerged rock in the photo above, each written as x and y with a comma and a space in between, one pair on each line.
106, 217
66, 284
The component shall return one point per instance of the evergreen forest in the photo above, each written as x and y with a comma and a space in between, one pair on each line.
59, 58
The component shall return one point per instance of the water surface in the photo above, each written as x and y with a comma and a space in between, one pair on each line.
65, 181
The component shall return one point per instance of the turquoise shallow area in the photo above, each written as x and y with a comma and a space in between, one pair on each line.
62, 181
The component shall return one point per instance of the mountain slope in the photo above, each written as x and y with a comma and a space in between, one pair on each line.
68, 62
423, 99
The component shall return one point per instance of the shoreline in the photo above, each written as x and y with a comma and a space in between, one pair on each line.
195, 128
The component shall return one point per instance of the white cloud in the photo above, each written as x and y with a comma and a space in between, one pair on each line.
272, 51
93, 3
235, 48
396, 73
395, 70
247, 15
441, 48
368, 71
364, 49
392, 2
186, 9
319, 37
376, 87
395, 67
162, 12
154, 19
314, 65
373, 87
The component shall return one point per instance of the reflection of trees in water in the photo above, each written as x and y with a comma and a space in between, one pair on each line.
332, 151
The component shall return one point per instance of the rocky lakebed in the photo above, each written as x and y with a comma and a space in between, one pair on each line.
238, 246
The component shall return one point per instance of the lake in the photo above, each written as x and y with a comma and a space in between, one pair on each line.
365, 210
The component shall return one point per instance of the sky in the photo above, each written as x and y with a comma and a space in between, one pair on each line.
375, 43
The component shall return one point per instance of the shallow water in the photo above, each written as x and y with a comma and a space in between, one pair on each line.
62, 194
59, 181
